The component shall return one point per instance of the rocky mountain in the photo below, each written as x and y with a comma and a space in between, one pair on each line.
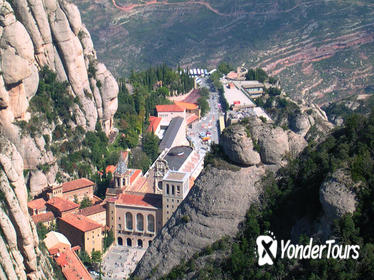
37, 36
320, 50
217, 204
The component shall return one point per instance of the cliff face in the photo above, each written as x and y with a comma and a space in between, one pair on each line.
36, 34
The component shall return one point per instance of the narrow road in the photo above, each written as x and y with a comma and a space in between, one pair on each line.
130, 7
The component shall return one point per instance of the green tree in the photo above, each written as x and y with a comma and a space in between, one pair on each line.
108, 239
203, 105
150, 145
96, 257
86, 202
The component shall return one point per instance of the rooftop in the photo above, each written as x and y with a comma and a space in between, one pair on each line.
175, 176
191, 118
135, 174
110, 168
36, 203
76, 184
140, 199
62, 204
121, 167
154, 122
71, 265
169, 108
80, 222
177, 156
171, 133
186, 105
42, 218
91, 210
54, 238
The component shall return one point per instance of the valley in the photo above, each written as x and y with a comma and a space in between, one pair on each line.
323, 51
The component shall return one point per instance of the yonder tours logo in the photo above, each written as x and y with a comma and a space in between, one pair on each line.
267, 248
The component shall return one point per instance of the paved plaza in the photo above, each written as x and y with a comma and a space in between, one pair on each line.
120, 262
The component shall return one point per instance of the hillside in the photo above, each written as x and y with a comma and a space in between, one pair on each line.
324, 193
320, 49
55, 97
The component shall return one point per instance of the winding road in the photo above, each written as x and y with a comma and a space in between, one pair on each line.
130, 7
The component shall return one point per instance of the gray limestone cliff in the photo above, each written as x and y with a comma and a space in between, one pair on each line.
213, 209
35, 34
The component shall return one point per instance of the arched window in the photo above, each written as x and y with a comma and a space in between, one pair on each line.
151, 223
140, 243
149, 243
128, 221
128, 242
167, 188
119, 241
139, 222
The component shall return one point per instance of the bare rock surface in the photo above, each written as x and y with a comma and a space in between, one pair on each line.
214, 207
36, 34
238, 146
337, 195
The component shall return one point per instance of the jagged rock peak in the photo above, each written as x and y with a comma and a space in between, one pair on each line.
35, 34
50, 33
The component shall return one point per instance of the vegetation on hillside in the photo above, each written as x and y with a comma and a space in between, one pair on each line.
294, 194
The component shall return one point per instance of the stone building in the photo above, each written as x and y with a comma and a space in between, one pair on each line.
123, 177
74, 190
135, 218
61, 207
96, 213
82, 231
175, 186
168, 112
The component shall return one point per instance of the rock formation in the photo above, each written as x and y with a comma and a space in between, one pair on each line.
238, 146
215, 206
19, 249
36, 34
337, 195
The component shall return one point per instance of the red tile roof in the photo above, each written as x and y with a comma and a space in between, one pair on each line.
110, 168
76, 184
186, 105
135, 175
125, 155
62, 204
94, 209
169, 108
71, 265
42, 218
154, 123
140, 199
232, 75
36, 203
191, 119
80, 222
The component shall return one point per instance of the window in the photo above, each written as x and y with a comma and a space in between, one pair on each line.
129, 242
167, 205
178, 189
151, 223
139, 222
128, 221
140, 243
167, 188
119, 241
172, 190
